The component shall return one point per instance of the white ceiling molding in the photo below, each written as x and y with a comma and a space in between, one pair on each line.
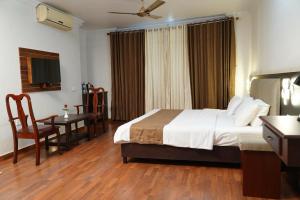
96, 16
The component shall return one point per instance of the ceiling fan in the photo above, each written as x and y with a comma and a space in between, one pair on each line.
145, 12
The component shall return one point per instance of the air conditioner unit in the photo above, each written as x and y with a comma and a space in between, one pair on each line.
54, 17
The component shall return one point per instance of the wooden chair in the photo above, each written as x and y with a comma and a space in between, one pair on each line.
34, 131
98, 111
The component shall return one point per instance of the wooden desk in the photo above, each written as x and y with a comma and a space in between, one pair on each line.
70, 138
283, 134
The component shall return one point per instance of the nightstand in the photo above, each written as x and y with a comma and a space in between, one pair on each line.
283, 134
261, 167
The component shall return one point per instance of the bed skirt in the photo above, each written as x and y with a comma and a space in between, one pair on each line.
220, 154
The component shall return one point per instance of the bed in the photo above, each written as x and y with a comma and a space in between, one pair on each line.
180, 137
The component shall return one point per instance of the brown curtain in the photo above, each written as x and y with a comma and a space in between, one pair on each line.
212, 63
128, 74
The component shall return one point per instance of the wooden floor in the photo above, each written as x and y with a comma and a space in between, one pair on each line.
94, 170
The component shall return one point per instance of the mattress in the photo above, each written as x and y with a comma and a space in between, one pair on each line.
200, 129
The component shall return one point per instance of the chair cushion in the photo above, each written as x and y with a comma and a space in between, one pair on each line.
42, 129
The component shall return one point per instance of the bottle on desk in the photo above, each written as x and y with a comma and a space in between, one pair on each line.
66, 110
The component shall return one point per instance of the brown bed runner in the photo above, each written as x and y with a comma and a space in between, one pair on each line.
150, 129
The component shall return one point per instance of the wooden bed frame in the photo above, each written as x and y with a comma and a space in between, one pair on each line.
220, 154
260, 88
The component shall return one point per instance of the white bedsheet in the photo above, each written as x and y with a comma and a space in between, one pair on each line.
200, 129
226, 133
192, 128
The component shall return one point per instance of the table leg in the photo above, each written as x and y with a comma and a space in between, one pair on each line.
89, 129
68, 135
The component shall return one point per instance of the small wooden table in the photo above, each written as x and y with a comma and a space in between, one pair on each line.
70, 138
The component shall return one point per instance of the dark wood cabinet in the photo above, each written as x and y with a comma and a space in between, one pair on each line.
272, 139
84, 99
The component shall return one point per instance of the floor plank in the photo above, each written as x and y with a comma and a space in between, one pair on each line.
94, 170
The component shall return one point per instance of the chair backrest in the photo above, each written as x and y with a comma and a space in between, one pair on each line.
98, 105
18, 99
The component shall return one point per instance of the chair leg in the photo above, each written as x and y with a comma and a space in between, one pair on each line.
37, 151
15, 160
95, 127
103, 124
89, 129
125, 159
47, 143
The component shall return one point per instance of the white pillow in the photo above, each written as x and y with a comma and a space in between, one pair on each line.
263, 110
246, 112
245, 101
233, 105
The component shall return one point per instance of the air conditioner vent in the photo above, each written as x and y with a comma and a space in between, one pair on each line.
54, 17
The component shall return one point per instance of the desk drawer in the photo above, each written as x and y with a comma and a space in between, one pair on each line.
272, 139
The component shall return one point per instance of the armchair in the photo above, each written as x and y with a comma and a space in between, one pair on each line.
98, 111
36, 131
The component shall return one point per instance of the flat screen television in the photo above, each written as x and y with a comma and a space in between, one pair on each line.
45, 71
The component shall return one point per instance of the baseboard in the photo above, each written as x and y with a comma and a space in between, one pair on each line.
25, 149
28, 148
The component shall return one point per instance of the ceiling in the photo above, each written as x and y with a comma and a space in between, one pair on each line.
94, 12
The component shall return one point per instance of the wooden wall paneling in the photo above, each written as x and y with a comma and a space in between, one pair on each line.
25, 61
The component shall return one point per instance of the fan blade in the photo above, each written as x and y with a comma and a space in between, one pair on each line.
154, 16
123, 13
155, 5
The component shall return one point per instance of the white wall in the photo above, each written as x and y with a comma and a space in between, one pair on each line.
20, 29
243, 29
276, 37
268, 41
83, 55
98, 60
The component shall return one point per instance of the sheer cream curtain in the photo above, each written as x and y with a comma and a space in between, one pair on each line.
167, 79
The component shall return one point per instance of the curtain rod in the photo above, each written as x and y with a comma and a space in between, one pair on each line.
191, 24
214, 21
128, 31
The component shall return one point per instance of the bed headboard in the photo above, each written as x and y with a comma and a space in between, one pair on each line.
267, 90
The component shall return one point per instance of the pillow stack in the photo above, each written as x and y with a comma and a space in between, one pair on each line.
247, 111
